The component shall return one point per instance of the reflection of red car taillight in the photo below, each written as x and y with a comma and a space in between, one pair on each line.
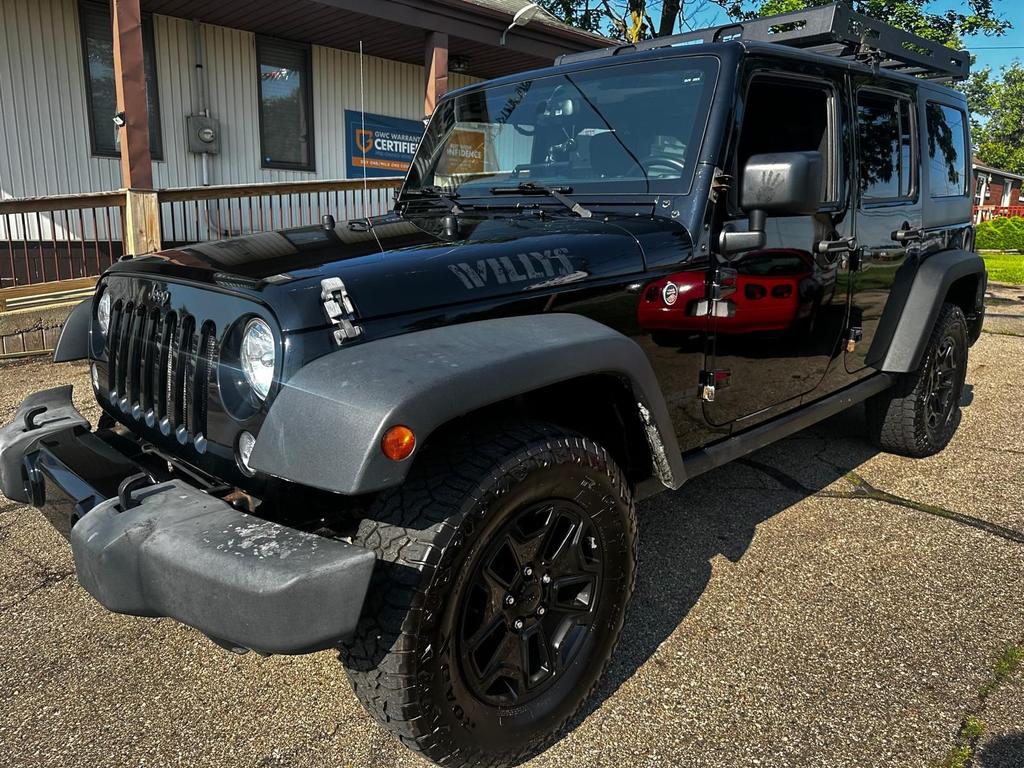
782, 291
754, 292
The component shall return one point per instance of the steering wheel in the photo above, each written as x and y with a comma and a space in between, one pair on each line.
663, 161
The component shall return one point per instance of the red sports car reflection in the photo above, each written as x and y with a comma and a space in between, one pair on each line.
775, 288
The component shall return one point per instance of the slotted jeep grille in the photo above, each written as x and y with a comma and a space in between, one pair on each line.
159, 365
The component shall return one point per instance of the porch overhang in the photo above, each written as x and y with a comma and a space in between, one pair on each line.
399, 29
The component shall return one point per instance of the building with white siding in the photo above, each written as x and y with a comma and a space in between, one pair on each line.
53, 110
237, 92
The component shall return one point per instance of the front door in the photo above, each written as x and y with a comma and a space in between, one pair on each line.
889, 200
775, 336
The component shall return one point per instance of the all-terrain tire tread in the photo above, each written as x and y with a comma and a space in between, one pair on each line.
896, 418
412, 526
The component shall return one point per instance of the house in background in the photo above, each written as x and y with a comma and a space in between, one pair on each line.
233, 92
996, 192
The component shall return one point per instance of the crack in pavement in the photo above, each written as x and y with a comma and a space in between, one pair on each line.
1003, 333
46, 574
972, 728
862, 489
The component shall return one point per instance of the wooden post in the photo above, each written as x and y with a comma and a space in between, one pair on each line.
141, 221
435, 68
130, 85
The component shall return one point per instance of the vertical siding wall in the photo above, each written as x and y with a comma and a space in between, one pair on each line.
44, 140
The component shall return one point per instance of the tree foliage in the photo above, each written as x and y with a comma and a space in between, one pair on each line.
638, 19
922, 17
999, 103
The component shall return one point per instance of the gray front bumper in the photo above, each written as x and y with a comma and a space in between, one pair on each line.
243, 581
173, 550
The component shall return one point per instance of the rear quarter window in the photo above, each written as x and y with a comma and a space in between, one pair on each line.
947, 150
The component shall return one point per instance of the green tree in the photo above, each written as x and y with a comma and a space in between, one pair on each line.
618, 18
998, 107
921, 17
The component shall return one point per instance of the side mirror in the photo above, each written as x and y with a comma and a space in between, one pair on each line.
780, 184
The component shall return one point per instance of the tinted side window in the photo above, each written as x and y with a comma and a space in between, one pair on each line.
887, 157
947, 151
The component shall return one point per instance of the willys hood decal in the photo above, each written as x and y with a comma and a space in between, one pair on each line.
402, 265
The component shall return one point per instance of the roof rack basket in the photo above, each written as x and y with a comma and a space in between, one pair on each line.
834, 30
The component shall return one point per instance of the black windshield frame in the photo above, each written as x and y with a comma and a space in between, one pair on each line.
584, 83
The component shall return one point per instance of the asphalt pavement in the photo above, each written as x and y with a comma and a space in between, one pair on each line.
815, 604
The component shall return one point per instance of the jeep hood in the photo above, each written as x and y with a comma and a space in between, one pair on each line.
403, 265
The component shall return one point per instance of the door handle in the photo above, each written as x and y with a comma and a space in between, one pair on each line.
837, 247
907, 235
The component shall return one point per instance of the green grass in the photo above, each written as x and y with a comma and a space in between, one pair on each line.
1004, 267
973, 728
1010, 661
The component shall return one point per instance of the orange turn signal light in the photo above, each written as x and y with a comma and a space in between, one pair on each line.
398, 443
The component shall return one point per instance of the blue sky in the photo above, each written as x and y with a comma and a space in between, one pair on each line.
997, 51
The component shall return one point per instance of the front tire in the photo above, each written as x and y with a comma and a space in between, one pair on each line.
505, 566
918, 416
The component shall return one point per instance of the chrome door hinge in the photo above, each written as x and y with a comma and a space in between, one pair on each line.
723, 283
711, 381
339, 309
853, 335
720, 184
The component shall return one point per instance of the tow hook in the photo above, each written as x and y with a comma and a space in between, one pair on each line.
131, 484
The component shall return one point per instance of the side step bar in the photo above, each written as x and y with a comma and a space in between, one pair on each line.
704, 459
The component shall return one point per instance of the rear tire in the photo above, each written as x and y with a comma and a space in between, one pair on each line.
919, 414
505, 566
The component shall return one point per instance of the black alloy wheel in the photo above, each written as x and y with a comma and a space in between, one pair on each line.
945, 365
530, 602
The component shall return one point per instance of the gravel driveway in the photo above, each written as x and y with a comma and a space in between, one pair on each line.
816, 604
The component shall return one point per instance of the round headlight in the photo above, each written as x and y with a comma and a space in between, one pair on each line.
103, 312
257, 356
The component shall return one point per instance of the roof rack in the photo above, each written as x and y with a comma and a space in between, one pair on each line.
835, 30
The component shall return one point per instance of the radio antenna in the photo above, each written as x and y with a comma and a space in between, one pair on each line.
362, 123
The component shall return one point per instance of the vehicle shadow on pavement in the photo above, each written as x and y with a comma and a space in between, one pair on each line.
1003, 752
717, 514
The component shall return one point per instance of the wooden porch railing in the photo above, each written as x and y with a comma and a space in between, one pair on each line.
197, 214
46, 241
989, 212
65, 237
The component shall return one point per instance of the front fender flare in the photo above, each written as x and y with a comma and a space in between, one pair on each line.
325, 426
73, 342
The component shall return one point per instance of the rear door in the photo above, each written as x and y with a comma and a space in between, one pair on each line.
888, 200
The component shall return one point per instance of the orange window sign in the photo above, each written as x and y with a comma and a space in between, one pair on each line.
465, 152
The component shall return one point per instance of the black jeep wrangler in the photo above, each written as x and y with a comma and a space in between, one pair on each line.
420, 438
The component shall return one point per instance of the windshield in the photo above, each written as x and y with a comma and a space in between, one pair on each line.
622, 128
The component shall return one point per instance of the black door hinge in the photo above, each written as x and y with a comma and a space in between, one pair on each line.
711, 381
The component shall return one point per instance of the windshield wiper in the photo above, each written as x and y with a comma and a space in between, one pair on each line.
558, 193
435, 193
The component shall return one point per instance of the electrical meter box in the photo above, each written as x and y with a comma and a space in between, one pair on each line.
203, 134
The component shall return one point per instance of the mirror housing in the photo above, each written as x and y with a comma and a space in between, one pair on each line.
778, 184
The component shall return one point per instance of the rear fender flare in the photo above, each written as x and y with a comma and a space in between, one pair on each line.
914, 303
325, 426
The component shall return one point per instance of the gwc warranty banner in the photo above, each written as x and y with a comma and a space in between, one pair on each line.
381, 145
384, 146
